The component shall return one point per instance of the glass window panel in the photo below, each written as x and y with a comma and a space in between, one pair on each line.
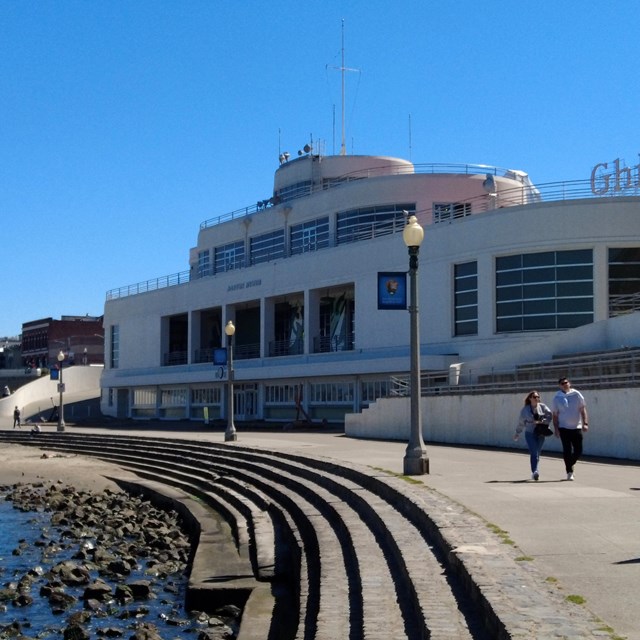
575, 273
508, 262
504, 325
544, 258
467, 298
539, 323
568, 289
546, 274
509, 309
466, 313
469, 328
573, 320
537, 307
509, 293
540, 291
580, 256
508, 277
569, 305
466, 269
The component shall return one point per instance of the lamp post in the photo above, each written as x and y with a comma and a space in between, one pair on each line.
230, 434
61, 391
416, 461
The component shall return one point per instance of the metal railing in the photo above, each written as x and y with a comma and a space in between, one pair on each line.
522, 195
149, 285
618, 368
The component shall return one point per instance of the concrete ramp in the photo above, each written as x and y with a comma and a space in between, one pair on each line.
40, 396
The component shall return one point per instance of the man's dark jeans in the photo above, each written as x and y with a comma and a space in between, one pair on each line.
571, 447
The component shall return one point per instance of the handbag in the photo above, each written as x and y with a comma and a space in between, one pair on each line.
543, 429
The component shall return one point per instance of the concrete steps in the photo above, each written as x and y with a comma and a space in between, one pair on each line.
324, 550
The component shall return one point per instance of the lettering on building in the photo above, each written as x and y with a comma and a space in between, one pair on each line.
238, 286
614, 178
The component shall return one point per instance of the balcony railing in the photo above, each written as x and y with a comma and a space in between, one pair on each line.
327, 344
173, 358
285, 348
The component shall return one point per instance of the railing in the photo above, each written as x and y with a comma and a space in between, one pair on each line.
285, 348
617, 368
525, 194
174, 358
246, 351
327, 344
149, 285
620, 305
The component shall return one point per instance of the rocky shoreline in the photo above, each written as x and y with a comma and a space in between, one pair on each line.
109, 564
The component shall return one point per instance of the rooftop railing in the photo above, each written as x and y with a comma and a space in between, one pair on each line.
525, 194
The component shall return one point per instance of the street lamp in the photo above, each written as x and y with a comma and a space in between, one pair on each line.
61, 390
230, 434
416, 461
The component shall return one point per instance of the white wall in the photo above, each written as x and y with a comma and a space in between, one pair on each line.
490, 420
81, 383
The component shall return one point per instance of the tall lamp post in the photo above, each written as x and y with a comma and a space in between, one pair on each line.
416, 461
230, 433
61, 391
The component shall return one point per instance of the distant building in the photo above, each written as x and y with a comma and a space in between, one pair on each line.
80, 338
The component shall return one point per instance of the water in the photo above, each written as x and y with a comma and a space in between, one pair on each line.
22, 530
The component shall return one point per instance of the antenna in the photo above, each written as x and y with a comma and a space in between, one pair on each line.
342, 69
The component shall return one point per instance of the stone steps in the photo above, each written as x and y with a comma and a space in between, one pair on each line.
336, 551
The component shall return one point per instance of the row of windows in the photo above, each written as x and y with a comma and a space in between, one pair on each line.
543, 291
176, 396
352, 226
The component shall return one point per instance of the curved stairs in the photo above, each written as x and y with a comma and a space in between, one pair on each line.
315, 549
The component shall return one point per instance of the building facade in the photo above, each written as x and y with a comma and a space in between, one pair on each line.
300, 276
80, 338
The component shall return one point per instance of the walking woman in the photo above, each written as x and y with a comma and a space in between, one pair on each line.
534, 420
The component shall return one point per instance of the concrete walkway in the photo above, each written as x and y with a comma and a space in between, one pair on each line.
584, 534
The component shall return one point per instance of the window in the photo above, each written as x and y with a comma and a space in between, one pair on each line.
624, 280
204, 263
114, 355
293, 191
229, 257
544, 291
269, 246
331, 392
282, 393
309, 236
371, 222
371, 390
465, 293
205, 395
447, 211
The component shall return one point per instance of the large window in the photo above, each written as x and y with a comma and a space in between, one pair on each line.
544, 291
204, 263
371, 222
465, 291
114, 354
309, 236
269, 246
624, 280
229, 257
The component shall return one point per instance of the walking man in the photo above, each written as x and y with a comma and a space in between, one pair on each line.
16, 417
570, 419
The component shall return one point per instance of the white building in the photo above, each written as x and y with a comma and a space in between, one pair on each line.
503, 264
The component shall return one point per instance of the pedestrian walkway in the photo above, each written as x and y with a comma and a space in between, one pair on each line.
583, 534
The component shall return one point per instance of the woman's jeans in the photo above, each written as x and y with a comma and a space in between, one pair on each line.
571, 447
534, 443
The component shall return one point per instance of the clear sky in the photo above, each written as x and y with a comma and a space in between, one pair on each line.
126, 123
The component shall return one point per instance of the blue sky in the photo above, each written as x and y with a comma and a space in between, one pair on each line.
124, 124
